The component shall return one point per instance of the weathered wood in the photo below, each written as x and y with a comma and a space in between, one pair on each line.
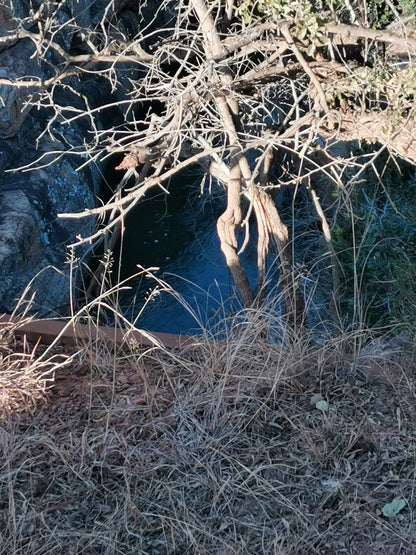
228, 108
65, 332
400, 135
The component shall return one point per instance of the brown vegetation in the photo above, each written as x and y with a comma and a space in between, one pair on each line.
240, 447
237, 445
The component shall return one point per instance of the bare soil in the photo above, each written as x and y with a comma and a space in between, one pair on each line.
214, 449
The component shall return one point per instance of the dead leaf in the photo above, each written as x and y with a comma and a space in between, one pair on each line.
129, 162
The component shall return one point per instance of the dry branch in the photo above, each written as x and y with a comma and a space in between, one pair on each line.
204, 84
228, 109
377, 127
351, 34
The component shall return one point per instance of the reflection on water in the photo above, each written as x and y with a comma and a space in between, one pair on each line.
177, 233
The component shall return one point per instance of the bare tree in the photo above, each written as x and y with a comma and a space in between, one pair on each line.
192, 86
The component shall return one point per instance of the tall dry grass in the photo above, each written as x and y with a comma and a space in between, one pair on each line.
231, 445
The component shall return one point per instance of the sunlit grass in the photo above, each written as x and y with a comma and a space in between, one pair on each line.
221, 446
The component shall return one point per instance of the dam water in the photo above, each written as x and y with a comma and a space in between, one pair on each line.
176, 233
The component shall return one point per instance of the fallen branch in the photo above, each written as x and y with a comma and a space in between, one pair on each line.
352, 34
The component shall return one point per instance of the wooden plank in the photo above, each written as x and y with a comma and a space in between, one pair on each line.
72, 334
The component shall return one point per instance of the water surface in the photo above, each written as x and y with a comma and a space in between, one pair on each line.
177, 233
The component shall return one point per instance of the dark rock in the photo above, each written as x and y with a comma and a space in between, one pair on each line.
33, 240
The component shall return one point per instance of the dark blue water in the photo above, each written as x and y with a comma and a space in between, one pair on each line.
177, 233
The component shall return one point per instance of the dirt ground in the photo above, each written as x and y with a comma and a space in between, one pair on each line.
238, 448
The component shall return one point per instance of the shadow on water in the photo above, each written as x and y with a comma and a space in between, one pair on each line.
177, 234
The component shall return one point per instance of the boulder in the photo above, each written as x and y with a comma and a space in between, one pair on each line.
33, 240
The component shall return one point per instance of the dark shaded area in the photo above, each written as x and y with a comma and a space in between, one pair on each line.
177, 233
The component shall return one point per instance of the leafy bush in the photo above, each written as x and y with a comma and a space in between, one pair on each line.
380, 13
309, 15
376, 246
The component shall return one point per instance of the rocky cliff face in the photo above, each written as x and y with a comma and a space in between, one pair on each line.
33, 240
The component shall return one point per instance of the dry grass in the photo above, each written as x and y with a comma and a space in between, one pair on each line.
217, 449
25, 375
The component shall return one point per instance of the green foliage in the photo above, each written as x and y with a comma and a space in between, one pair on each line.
381, 265
304, 13
301, 12
380, 13
377, 88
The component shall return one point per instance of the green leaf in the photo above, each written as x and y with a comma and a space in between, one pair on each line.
393, 508
311, 49
322, 38
322, 405
301, 34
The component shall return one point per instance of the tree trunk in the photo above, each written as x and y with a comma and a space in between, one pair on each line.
294, 305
